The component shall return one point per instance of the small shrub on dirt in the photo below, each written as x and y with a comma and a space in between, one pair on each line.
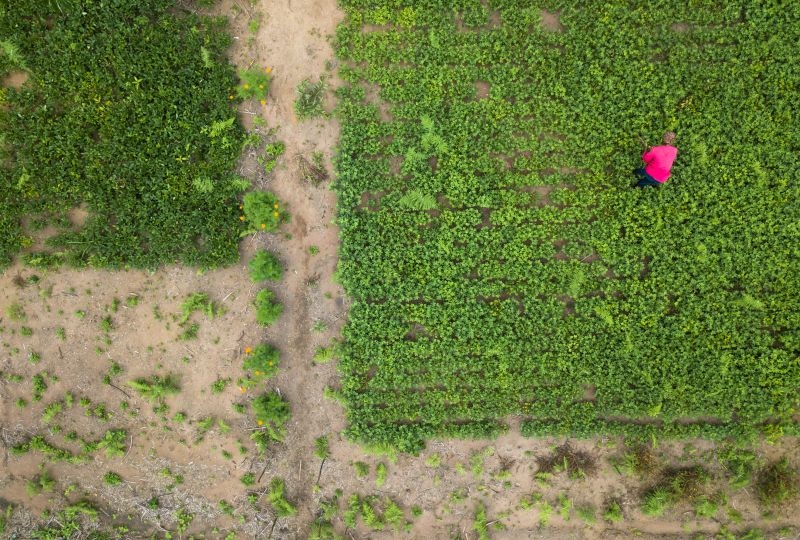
112, 479
157, 388
677, 485
254, 84
639, 460
248, 479
613, 512
40, 483
739, 463
263, 212
283, 508
268, 309
565, 458
308, 103
265, 266
272, 412
777, 483
200, 302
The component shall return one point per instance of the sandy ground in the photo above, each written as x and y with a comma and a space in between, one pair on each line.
184, 466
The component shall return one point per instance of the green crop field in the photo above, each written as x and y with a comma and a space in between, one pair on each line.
126, 116
499, 261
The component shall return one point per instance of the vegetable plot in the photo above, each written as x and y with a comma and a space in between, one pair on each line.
501, 264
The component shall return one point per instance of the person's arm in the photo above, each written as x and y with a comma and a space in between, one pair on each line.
648, 156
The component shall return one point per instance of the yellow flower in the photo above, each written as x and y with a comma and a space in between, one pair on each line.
260, 422
241, 218
269, 364
242, 389
248, 350
241, 206
268, 70
258, 373
275, 205
263, 101
230, 97
263, 225
260, 86
275, 214
246, 86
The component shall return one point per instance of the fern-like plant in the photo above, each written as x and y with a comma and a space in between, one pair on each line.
416, 200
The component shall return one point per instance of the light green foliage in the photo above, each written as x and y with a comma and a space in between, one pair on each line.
739, 463
321, 447
380, 474
323, 355
184, 519
586, 513
112, 479
261, 364
219, 386
276, 498
564, 506
541, 272
200, 302
156, 388
15, 312
134, 142
263, 212
42, 483
265, 265
310, 96
479, 523
613, 512
433, 460
248, 479
254, 83
268, 309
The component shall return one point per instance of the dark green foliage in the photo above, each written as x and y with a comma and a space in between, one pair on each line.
541, 273
676, 485
125, 111
265, 265
272, 412
268, 309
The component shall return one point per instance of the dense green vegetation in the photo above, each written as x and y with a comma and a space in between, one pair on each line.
498, 259
126, 110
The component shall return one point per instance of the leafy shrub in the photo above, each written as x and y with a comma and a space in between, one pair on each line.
265, 265
272, 412
112, 479
310, 96
254, 84
261, 363
268, 309
263, 212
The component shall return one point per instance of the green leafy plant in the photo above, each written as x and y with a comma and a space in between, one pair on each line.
322, 451
112, 479
272, 412
254, 84
268, 309
276, 498
263, 212
265, 266
200, 302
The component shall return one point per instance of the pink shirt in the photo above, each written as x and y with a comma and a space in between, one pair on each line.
659, 161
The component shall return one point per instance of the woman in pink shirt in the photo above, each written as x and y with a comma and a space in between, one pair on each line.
658, 162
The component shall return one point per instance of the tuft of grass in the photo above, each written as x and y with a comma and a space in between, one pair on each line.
577, 464
613, 512
157, 388
777, 483
276, 498
112, 479
248, 479
308, 103
380, 474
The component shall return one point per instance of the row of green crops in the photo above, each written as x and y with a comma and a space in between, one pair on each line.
127, 112
499, 262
